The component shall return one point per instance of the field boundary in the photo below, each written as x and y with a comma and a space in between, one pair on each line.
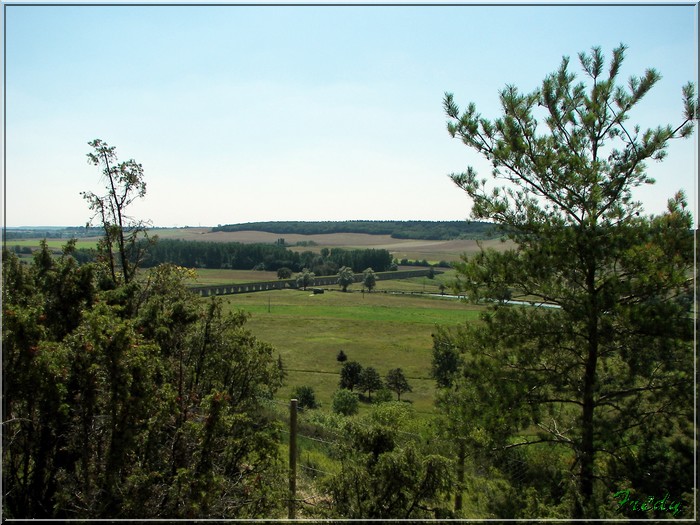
281, 284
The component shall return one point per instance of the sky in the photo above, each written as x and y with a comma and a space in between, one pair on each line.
324, 112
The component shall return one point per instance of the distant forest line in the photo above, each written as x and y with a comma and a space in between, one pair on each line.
424, 230
257, 256
428, 230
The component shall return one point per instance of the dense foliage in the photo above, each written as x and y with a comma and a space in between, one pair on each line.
599, 383
249, 256
383, 475
431, 230
230, 255
130, 401
345, 402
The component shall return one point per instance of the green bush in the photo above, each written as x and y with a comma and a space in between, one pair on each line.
305, 396
345, 402
383, 395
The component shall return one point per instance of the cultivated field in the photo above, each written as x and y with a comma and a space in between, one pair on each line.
432, 251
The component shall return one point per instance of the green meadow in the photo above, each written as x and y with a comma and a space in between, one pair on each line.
388, 328
53, 244
382, 330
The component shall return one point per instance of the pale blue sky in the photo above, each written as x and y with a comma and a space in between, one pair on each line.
258, 113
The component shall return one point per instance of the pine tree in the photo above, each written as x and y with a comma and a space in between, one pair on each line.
613, 352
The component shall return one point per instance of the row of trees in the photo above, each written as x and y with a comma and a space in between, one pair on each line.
357, 260
434, 230
70, 232
230, 255
253, 256
367, 379
346, 277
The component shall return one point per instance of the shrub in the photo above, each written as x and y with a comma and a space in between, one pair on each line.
284, 273
345, 402
383, 395
305, 396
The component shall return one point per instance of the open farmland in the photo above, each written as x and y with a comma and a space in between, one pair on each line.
432, 251
53, 244
412, 249
386, 329
381, 330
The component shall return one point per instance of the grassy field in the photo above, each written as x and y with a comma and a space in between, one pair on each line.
386, 329
53, 244
381, 330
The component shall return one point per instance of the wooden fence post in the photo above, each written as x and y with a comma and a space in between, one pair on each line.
292, 458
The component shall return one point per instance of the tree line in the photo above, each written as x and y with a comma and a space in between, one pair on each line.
70, 232
255, 256
430, 230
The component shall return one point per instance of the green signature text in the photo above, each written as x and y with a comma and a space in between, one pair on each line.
646, 504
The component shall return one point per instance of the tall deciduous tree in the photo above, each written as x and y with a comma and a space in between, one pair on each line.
124, 184
396, 382
305, 278
370, 381
350, 375
611, 358
345, 277
369, 279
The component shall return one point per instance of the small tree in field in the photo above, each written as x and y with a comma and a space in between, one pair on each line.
305, 278
345, 277
370, 381
605, 372
396, 382
341, 357
305, 396
369, 279
350, 375
284, 273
